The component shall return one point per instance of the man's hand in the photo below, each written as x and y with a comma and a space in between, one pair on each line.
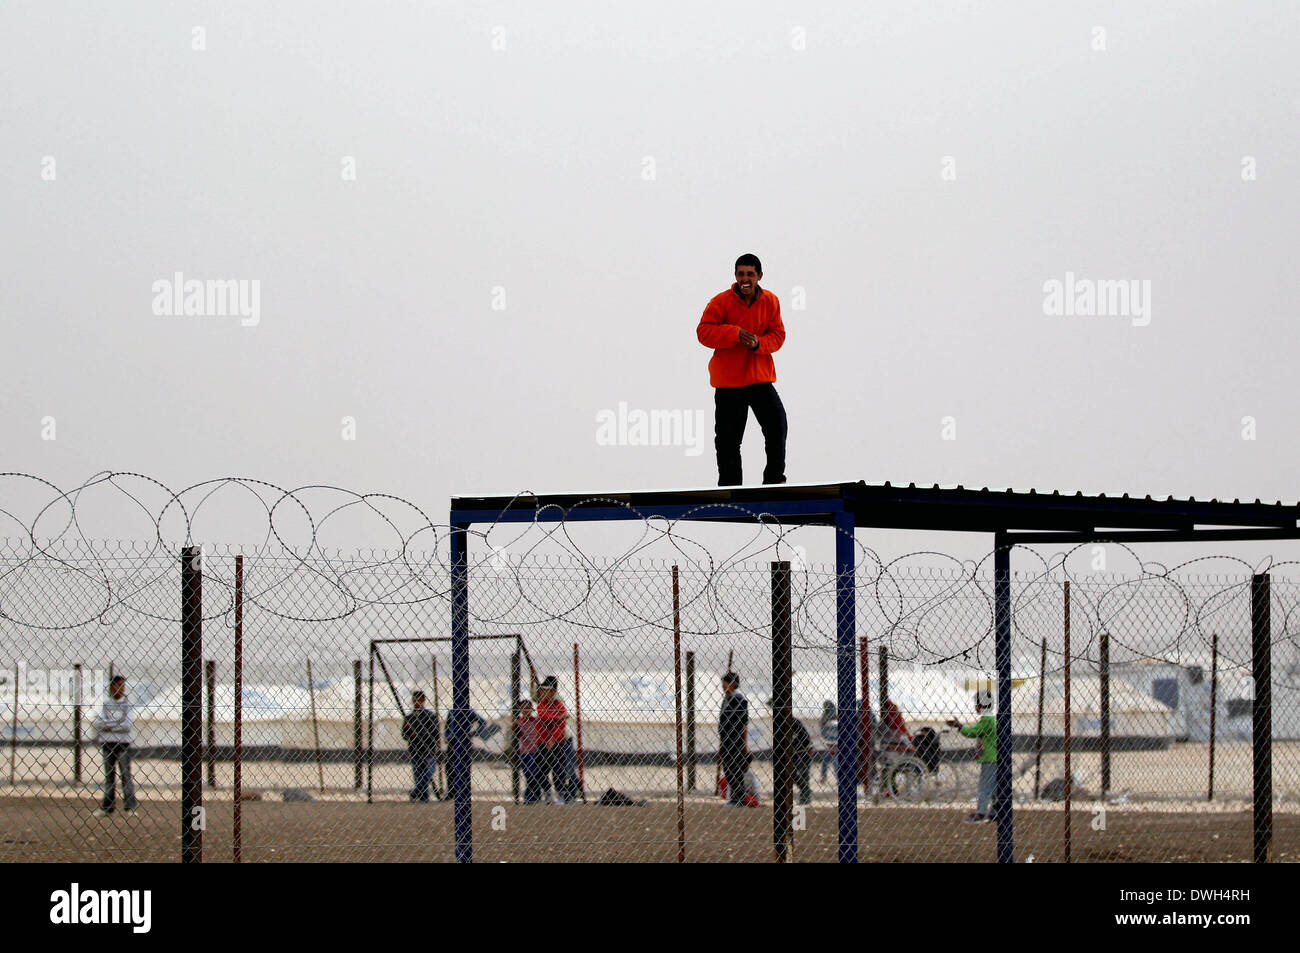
749, 339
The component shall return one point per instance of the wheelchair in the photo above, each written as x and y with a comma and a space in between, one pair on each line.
916, 772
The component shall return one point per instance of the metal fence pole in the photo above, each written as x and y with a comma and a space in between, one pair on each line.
1069, 776
1038, 737
370, 731
440, 784
882, 690
866, 743
192, 820
13, 729
515, 675
882, 696
1105, 715
358, 745
76, 723
210, 677
690, 720
677, 678
782, 726
315, 728
846, 687
577, 723
237, 817
1214, 708
1261, 713
1002, 810
461, 783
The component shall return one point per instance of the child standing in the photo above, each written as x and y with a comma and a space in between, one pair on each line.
116, 732
829, 723
526, 745
985, 729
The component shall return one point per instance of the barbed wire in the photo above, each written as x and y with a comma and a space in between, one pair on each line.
927, 614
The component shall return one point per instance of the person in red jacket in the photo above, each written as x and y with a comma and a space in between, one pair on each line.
743, 327
897, 738
554, 747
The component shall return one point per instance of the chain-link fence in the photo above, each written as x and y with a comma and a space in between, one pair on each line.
601, 727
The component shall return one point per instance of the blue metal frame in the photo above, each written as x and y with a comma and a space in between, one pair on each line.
462, 786
846, 764
832, 509
1013, 517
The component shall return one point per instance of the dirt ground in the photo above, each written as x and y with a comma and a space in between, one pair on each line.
44, 830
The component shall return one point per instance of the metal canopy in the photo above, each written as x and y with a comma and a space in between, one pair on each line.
1012, 516
889, 506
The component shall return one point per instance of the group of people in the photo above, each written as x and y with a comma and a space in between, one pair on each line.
420, 729
737, 781
896, 740
886, 742
875, 742
547, 759
544, 752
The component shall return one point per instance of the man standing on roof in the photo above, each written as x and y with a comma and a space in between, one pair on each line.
743, 327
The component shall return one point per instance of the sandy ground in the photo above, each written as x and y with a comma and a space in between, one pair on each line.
38, 830
1157, 812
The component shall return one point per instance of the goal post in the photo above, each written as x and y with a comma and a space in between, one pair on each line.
500, 691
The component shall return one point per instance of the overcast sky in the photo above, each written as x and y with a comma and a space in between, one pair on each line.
474, 227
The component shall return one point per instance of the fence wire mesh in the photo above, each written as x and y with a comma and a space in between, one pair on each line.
600, 727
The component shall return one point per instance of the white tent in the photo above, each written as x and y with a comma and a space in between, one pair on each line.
1132, 712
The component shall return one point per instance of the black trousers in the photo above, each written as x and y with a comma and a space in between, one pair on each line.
117, 760
731, 406
734, 766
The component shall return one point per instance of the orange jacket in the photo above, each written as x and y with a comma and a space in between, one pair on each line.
733, 364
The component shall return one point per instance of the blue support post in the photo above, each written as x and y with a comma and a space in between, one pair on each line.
1261, 712
847, 686
1002, 811
462, 788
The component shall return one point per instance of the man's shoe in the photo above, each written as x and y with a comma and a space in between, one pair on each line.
974, 819
102, 813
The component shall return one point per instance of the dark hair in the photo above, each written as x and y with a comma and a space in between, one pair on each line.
417, 695
749, 258
731, 678
116, 679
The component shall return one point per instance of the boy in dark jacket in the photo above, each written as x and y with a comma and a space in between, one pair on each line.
420, 729
733, 726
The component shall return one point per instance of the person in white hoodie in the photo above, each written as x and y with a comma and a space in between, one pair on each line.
115, 736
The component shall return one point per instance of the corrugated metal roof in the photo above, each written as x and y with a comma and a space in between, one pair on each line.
954, 507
